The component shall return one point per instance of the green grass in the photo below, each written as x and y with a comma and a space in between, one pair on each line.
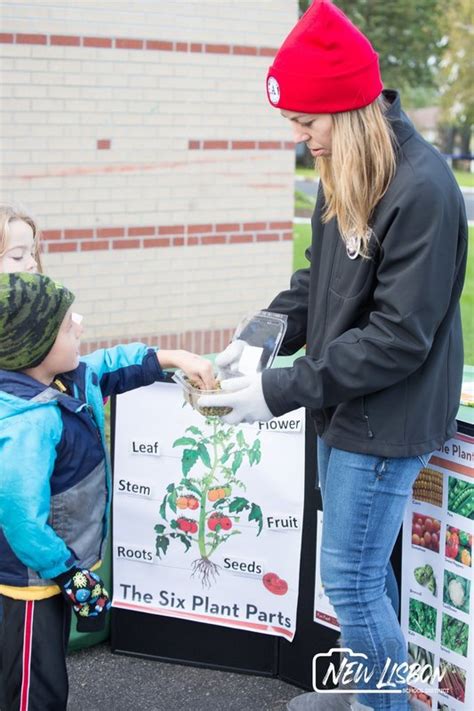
107, 422
303, 201
465, 179
306, 172
302, 239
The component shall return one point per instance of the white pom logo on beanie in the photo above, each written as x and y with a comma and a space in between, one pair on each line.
273, 90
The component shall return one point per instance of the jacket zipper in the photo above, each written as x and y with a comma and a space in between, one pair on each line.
370, 434
90, 412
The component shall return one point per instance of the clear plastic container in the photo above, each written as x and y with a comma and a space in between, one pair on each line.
192, 395
260, 335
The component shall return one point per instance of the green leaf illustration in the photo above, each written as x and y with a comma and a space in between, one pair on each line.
238, 504
184, 441
219, 504
162, 543
254, 453
227, 453
204, 454
159, 528
241, 439
194, 430
236, 462
172, 496
163, 507
228, 535
256, 515
188, 460
183, 538
192, 487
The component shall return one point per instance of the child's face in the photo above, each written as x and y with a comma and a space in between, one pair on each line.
19, 249
64, 355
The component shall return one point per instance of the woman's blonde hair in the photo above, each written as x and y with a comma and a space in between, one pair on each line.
9, 213
357, 174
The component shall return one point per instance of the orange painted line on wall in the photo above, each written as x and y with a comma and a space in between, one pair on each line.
135, 43
126, 168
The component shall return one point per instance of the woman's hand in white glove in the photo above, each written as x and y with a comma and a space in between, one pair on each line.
227, 362
245, 397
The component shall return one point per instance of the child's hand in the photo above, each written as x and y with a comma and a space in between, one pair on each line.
85, 591
198, 369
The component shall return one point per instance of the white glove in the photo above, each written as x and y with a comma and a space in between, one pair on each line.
227, 362
244, 396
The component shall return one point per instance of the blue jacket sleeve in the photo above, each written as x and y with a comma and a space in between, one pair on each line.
124, 367
27, 453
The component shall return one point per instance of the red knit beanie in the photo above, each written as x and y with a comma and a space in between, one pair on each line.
325, 65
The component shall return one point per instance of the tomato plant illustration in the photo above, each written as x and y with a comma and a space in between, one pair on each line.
203, 510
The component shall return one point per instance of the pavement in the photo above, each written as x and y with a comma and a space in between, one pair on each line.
104, 681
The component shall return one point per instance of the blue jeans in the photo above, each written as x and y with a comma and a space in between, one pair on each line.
364, 499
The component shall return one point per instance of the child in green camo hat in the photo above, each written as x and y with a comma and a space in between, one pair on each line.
55, 484
32, 309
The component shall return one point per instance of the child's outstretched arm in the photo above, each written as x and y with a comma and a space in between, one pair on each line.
135, 365
196, 368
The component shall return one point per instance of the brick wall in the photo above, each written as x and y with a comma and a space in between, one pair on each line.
140, 136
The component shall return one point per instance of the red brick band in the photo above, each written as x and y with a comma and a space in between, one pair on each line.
202, 342
146, 236
230, 145
133, 43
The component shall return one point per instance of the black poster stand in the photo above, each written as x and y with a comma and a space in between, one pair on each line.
187, 642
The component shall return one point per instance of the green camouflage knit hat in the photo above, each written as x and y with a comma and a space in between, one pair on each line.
32, 309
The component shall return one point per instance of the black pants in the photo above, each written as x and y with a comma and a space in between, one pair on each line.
33, 643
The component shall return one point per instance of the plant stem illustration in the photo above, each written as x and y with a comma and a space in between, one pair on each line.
205, 511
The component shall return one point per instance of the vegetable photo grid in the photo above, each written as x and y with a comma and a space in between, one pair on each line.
207, 517
437, 577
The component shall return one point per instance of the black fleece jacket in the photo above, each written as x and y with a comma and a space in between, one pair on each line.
383, 366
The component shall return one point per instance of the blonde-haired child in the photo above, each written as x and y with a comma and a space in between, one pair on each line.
19, 240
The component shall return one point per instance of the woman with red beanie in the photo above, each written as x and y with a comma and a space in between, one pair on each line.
378, 310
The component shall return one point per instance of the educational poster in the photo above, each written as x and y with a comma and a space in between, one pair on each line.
207, 517
323, 610
437, 580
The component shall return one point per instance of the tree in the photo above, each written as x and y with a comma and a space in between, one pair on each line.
456, 71
406, 34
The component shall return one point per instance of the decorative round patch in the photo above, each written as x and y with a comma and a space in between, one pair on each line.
273, 88
353, 244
